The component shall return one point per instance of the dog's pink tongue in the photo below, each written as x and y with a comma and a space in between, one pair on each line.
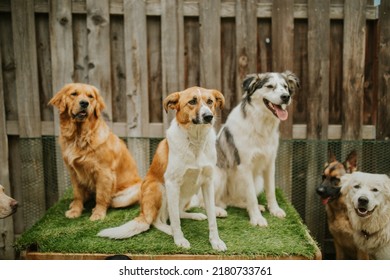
325, 201
282, 114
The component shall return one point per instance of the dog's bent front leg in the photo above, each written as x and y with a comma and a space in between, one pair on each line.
269, 188
208, 195
173, 198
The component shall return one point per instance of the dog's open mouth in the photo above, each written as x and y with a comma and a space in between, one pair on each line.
278, 110
363, 212
325, 200
80, 115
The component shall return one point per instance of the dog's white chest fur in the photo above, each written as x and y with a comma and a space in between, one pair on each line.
191, 158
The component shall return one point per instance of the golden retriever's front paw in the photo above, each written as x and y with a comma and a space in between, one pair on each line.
73, 213
96, 216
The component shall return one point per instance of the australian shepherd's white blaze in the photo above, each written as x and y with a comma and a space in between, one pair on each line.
183, 164
247, 145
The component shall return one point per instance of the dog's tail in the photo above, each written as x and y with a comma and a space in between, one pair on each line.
127, 197
150, 199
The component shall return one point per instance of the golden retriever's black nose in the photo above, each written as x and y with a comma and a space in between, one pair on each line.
84, 104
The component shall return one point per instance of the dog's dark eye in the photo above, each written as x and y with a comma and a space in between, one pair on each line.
193, 102
335, 181
270, 86
356, 187
375, 190
210, 102
90, 96
73, 93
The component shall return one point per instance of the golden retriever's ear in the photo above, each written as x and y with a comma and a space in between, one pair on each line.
220, 99
58, 99
100, 105
171, 101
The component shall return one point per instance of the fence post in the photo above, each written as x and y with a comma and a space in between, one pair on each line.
318, 113
61, 47
29, 119
137, 82
282, 59
383, 127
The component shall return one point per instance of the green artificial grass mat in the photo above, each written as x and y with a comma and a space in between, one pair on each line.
55, 233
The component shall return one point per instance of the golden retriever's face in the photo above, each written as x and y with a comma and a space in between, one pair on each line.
195, 105
78, 101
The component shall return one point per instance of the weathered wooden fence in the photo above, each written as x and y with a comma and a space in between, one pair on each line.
137, 52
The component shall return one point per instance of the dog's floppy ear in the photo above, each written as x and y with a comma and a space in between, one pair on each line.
58, 99
350, 163
171, 101
100, 105
220, 99
292, 80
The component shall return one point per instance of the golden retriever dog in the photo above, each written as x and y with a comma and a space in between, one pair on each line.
99, 162
183, 164
368, 202
8, 205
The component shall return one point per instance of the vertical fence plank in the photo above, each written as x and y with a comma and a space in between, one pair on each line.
6, 225
137, 81
353, 68
61, 46
191, 50
29, 119
99, 62
383, 130
246, 38
318, 114
172, 49
282, 59
210, 46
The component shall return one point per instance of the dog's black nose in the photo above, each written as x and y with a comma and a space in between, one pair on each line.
14, 204
285, 98
84, 104
207, 117
320, 190
363, 200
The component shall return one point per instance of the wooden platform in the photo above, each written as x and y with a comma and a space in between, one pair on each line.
56, 237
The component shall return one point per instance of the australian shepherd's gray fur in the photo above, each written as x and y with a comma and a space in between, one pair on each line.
248, 142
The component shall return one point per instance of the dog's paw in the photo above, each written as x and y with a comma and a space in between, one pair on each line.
220, 212
277, 212
96, 216
218, 244
73, 213
259, 221
182, 242
193, 216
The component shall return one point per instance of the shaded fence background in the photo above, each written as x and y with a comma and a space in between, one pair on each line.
137, 52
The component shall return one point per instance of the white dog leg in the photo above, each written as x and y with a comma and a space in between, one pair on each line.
208, 195
269, 187
173, 193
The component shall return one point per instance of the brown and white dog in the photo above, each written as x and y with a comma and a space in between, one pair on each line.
98, 161
8, 205
248, 142
182, 165
333, 197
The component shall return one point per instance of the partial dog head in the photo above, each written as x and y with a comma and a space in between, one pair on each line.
8, 205
78, 102
330, 187
368, 194
273, 90
195, 105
